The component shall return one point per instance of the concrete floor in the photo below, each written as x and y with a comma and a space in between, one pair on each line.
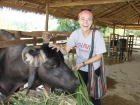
123, 79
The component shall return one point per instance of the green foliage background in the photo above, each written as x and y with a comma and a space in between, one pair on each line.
71, 25
67, 25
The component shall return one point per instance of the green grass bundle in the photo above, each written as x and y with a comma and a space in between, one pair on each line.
81, 91
34, 99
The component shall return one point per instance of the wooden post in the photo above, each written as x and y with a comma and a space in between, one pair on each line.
34, 43
110, 41
54, 41
114, 29
46, 87
124, 31
109, 46
47, 17
136, 41
113, 37
17, 34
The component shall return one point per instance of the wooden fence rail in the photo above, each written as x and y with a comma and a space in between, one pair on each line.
11, 43
58, 37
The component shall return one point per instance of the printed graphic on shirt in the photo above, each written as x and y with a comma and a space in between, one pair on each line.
83, 47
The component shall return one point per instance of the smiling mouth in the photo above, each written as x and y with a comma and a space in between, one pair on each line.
85, 25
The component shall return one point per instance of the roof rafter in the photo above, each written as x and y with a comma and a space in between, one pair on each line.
42, 4
64, 10
13, 5
106, 12
34, 2
85, 3
128, 11
135, 7
135, 18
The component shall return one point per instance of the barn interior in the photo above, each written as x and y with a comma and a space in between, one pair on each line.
122, 72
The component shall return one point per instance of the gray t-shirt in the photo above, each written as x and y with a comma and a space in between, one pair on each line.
83, 47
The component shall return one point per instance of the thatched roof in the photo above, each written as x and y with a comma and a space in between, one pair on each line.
106, 12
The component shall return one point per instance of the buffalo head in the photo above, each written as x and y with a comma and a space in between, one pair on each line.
49, 67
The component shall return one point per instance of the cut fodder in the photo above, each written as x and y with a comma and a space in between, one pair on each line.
82, 96
40, 99
79, 97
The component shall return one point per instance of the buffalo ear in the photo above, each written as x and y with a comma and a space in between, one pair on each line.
32, 77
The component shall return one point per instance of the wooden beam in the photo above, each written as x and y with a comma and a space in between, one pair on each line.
17, 6
58, 38
129, 24
63, 16
42, 4
120, 18
27, 34
128, 11
59, 32
103, 24
133, 28
31, 34
39, 33
98, 19
85, 3
118, 9
65, 10
23, 4
34, 2
74, 3
12, 5
17, 35
48, 1
19, 42
135, 7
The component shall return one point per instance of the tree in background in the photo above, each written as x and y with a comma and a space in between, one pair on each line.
137, 32
104, 30
67, 25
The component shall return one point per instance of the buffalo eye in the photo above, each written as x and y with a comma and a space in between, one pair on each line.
53, 65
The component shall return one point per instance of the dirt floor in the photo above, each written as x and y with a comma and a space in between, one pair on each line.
123, 80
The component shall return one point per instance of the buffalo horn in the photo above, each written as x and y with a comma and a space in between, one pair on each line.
34, 59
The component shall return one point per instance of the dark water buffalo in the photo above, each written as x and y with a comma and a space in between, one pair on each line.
120, 46
21, 64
